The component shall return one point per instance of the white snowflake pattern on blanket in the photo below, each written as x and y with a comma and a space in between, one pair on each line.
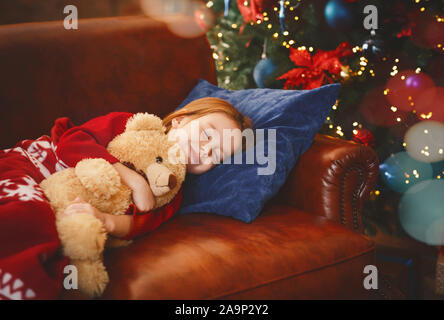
27, 191
14, 288
37, 153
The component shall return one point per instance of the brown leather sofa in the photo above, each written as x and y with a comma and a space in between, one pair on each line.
307, 243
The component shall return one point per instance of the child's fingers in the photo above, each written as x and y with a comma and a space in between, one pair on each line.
82, 205
78, 208
69, 211
78, 200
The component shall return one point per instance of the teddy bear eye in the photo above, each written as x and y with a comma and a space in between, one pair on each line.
159, 159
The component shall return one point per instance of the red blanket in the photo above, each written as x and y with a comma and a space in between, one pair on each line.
31, 266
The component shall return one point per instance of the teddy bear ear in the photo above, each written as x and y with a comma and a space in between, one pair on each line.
144, 121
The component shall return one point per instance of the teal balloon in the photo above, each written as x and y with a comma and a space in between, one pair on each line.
400, 171
421, 212
263, 69
438, 169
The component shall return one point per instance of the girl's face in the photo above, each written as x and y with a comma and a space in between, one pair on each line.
202, 139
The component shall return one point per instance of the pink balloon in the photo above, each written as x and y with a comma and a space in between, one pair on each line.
405, 88
430, 104
376, 109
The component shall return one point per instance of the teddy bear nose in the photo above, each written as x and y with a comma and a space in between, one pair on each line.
172, 181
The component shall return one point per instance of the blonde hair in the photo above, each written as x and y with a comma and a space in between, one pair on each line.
204, 106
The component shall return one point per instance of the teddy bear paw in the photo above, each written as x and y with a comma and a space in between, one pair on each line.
83, 236
92, 277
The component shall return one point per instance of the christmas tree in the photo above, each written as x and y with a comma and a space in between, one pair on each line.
388, 56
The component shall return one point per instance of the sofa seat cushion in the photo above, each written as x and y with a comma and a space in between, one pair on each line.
283, 254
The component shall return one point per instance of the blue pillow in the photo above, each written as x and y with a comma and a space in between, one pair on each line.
237, 190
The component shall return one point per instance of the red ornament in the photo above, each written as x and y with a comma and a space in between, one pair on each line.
314, 71
251, 11
364, 137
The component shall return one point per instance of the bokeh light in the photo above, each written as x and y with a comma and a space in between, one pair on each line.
377, 110
425, 141
400, 171
428, 32
421, 212
185, 18
404, 90
430, 104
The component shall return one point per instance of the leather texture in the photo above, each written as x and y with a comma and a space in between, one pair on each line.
296, 248
203, 256
332, 179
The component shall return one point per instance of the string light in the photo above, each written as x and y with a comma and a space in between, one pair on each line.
395, 69
363, 62
426, 116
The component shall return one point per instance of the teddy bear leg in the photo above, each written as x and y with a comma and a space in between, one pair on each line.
92, 276
83, 236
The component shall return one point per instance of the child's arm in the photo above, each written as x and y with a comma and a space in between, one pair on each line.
90, 140
129, 226
142, 195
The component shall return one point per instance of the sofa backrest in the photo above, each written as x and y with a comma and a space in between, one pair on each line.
132, 64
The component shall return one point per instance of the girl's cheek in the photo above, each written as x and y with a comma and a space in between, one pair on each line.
199, 168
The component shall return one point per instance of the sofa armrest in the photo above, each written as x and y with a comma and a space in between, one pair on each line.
332, 179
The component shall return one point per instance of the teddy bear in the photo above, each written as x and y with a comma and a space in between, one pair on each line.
144, 147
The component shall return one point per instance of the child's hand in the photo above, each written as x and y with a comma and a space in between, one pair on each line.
143, 197
80, 206
118, 226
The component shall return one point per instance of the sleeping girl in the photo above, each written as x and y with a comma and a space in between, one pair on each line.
209, 116
31, 264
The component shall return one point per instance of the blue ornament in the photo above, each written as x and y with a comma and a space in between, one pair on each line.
227, 7
263, 69
339, 15
421, 212
373, 48
400, 171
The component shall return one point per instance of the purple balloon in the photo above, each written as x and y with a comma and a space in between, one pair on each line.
413, 82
